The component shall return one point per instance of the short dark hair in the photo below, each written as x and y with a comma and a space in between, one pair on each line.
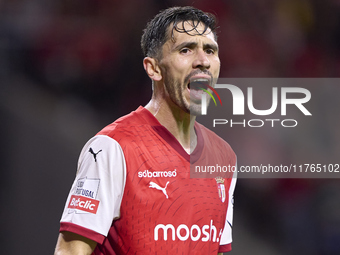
156, 31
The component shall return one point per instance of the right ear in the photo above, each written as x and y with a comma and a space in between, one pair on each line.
152, 68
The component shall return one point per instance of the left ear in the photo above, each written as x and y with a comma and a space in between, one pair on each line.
152, 68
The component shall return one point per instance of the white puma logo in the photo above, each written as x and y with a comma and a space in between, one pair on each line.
156, 186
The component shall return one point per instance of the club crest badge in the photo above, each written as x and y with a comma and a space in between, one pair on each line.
221, 188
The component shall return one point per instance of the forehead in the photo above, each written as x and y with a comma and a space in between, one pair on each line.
189, 30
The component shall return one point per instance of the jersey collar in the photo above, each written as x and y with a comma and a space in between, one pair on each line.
170, 139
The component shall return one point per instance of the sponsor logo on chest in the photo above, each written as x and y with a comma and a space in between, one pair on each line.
152, 174
206, 233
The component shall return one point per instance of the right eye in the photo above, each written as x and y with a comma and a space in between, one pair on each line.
184, 51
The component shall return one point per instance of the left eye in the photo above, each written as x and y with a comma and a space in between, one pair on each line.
210, 51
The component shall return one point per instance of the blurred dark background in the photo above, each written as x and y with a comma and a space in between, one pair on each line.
68, 68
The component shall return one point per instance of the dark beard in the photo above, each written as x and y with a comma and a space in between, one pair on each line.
175, 92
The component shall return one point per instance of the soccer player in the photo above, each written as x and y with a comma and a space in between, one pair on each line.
133, 193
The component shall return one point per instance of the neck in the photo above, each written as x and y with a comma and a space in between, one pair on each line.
179, 123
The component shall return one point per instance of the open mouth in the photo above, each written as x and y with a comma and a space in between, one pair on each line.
198, 83
197, 86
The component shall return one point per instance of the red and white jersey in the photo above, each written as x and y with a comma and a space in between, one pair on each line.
133, 193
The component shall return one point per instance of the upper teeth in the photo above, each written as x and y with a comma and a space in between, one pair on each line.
200, 80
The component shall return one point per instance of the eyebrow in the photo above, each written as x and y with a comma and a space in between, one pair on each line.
192, 45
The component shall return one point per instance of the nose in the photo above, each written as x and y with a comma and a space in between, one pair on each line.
201, 60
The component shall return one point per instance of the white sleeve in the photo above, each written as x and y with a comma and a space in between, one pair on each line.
226, 237
96, 194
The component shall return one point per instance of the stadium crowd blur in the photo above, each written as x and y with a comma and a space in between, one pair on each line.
86, 53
